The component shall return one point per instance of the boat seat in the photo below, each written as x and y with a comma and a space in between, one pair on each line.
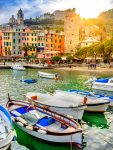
34, 112
15, 113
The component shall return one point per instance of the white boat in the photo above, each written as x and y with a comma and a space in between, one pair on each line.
59, 103
91, 95
93, 104
7, 132
45, 124
18, 67
48, 75
105, 84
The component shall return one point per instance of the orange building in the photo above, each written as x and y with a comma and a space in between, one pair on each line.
0, 43
54, 42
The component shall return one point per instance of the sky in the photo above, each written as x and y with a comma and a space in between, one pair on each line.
33, 8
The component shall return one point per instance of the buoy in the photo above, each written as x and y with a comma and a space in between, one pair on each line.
29, 127
19, 123
42, 131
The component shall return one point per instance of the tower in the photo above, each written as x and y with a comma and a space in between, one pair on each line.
71, 30
20, 17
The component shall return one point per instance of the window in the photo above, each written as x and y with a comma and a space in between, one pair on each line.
13, 40
13, 34
13, 47
55, 41
18, 34
51, 45
18, 40
14, 52
38, 44
59, 41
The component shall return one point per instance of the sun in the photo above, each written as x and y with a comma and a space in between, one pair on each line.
91, 8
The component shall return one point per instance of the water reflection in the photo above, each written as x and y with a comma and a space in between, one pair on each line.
95, 119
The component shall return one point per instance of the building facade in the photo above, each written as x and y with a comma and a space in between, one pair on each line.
29, 40
0, 42
71, 30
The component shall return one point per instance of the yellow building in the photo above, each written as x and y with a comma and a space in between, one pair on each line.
29, 39
7, 43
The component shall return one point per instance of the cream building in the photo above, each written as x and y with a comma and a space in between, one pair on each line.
89, 42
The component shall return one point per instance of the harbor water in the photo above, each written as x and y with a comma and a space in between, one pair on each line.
97, 128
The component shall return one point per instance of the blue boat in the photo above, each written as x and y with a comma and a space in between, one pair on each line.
29, 81
7, 133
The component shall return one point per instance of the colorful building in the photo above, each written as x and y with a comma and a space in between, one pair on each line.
0, 43
11, 42
54, 43
29, 40
7, 43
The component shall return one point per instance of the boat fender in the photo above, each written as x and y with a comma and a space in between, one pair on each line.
22, 120
19, 123
42, 131
29, 127
71, 117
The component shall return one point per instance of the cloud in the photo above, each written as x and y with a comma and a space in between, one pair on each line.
33, 8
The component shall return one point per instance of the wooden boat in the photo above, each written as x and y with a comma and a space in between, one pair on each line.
7, 132
58, 104
29, 81
44, 124
93, 104
48, 75
18, 67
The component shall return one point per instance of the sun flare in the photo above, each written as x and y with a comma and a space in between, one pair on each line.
91, 8
86, 8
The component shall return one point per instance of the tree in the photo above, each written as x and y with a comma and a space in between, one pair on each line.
56, 58
26, 48
70, 58
108, 50
82, 53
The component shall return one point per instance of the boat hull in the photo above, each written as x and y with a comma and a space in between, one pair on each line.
102, 107
74, 138
47, 75
5, 143
18, 69
102, 86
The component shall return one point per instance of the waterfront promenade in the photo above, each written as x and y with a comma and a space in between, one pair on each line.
74, 67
